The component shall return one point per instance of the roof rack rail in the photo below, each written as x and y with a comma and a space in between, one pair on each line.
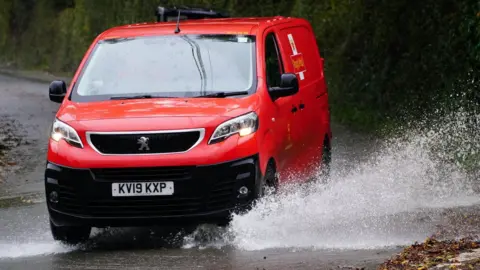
186, 13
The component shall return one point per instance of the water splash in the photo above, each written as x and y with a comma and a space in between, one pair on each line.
17, 250
391, 199
30, 242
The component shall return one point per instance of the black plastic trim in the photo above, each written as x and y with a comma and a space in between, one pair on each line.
205, 194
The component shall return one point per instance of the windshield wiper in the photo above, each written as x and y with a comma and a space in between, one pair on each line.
131, 97
225, 94
136, 97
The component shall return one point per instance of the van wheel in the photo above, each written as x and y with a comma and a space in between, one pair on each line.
71, 235
325, 166
270, 181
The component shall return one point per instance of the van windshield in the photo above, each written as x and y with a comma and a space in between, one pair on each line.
168, 66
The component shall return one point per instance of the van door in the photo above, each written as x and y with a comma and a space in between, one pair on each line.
285, 125
302, 58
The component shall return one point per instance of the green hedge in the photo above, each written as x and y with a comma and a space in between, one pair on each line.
386, 60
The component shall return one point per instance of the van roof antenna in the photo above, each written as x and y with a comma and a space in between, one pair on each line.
177, 30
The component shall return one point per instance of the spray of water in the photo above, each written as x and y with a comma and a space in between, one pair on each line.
8, 250
391, 199
26, 235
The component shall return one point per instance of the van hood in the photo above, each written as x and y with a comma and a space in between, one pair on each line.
157, 107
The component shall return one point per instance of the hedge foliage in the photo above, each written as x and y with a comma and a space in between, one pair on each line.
386, 60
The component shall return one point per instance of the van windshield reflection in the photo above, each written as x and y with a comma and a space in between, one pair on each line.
168, 66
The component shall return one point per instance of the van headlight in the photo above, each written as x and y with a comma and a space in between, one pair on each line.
243, 125
62, 131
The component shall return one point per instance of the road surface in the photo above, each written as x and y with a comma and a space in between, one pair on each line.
371, 210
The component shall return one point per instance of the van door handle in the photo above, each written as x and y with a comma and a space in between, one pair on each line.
294, 109
301, 106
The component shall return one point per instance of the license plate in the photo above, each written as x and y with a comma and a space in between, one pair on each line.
142, 189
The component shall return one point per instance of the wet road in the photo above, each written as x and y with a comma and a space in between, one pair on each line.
139, 249
28, 113
359, 221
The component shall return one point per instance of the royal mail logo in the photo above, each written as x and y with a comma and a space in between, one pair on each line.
292, 44
298, 63
294, 47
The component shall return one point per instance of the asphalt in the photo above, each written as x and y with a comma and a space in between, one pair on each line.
26, 115
25, 241
26, 244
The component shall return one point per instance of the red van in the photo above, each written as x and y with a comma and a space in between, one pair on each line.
185, 120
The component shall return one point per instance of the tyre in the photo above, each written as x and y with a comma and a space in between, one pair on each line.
325, 166
269, 182
71, 235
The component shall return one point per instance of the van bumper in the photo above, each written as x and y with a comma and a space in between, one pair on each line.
202, 194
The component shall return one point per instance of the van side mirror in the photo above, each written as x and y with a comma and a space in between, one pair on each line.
57, 91
288, 86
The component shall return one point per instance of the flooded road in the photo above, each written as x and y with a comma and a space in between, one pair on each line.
26, 243
382, 195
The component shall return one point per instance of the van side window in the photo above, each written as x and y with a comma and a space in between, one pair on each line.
273, 61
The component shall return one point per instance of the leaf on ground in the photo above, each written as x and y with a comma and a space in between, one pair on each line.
431, 253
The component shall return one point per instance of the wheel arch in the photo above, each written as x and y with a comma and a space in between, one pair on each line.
268, 151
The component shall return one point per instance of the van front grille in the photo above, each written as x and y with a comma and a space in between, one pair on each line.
145, 143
